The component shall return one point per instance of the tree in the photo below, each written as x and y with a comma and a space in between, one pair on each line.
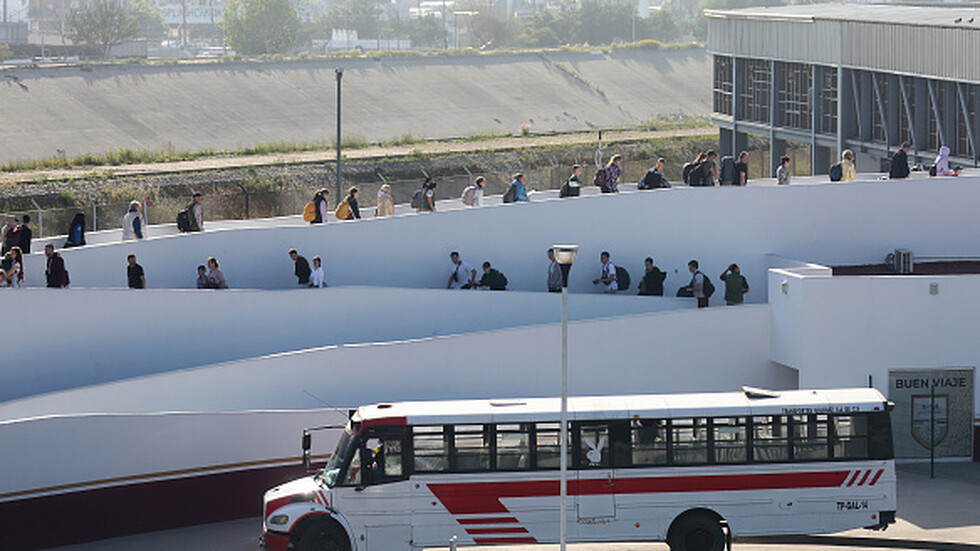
150, 19
104, 24
363, 16
256, 27
5, 52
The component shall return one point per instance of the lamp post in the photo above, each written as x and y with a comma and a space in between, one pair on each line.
340, 75
565, 257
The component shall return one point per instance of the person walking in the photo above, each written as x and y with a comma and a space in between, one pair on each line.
652, 284
473, 194
386, 204
519, 190
899, 168
698, 284
573, 186
735, 285
492, 279
10, 234
134, 273
614, 169
428, 195
554, 273
320, 204
848, 172
461, 274
352, 211
202, 277
133, 224
26, 234
55, 272
942, 162
654, 178
317, 280
302, 268
606, 282
196, 212
742, 169
782, 173
216, 278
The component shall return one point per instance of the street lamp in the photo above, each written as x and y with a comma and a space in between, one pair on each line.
565, 257
340, 75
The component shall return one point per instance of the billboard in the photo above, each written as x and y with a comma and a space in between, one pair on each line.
173, 14
933, 410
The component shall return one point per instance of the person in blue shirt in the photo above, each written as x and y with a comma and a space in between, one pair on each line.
519, 188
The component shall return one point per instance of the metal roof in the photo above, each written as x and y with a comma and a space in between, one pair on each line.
960, 17
719, 404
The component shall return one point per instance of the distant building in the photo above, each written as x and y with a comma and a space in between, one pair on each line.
848, 76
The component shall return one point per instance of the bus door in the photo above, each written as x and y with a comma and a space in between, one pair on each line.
592, 456
378, 492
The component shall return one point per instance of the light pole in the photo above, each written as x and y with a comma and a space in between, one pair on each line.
340, 75
565, 256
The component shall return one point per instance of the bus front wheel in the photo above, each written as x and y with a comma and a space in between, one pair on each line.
697, 531
323, 537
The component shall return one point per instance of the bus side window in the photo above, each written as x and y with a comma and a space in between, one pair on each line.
729, 440
513, 447
690, 439
594, 444
649, 442
547, 448
851, 437
770, 440
431, 451
471, 447
810, 437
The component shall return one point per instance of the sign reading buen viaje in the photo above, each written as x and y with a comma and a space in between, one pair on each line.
933, 409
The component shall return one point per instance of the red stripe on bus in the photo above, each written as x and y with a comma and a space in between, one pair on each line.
385, 421
877, 476
507, 530
488, 520
853, 478
484, 497
497, 541
865, 478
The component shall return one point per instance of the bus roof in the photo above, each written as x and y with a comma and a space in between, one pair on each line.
649, 406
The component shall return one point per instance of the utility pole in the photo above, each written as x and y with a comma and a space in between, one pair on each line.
340, 75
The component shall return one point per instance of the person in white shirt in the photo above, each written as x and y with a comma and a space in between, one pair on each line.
133, 223
606, 282
461, 274
316, 278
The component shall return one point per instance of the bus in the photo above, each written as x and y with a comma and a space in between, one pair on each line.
672, 467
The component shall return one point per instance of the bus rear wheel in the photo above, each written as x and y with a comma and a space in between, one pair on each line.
323, 537
697, 532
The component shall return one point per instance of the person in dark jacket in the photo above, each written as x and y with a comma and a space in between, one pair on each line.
320, 201
492, 279
26, 234
355, 211
303, 270
652, 283
654, 178
55, 272
76, 231
900, 163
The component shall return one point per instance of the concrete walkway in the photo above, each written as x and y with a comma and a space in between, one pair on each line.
939, 514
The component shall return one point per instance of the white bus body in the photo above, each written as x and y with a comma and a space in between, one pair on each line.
641, 468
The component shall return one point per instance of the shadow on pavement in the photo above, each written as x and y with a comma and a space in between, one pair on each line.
863, 543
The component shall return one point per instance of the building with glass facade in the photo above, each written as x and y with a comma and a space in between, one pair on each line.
848, 76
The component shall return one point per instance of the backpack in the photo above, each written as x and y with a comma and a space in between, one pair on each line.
932, 170
622, 279
183, 221
343, 210
727, 170
309, 212
688, 167
707, 288
698, 174
469, 196
511, 195
600, 178
417, 199
836, 172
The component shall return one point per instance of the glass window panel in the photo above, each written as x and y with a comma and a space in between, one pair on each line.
851, 437
770, 439
431, 451
547, 446
472, 443
594, 445
649, 442
690, 439
810, 437
731, 445
353, 475
513, 447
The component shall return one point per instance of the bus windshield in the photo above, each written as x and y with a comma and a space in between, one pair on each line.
341, 455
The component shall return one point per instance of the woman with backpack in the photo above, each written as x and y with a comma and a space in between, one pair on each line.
614, 169
76, 231
386, 204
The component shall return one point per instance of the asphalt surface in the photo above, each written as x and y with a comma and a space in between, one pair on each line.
941, 514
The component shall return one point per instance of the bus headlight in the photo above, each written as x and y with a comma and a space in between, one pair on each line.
279, 520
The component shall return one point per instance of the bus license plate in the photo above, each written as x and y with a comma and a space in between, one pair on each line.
852, 505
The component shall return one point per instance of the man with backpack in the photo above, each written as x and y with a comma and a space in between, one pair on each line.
701, 287
192, 218
652, 284
742, 169
517, 192
606, 282
573, 186
654, 178
492, 279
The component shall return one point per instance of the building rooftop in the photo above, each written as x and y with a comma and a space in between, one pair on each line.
960, 16
943, 267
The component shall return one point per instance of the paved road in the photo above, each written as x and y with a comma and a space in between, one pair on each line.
941, 514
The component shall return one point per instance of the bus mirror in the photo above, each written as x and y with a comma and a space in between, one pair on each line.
306, 460
307, 441
889, 406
